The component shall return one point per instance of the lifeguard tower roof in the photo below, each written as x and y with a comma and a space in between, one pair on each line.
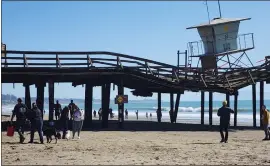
217, 21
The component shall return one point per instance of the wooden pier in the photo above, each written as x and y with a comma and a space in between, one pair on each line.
100, 68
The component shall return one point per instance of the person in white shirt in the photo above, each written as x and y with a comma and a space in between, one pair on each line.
78, 117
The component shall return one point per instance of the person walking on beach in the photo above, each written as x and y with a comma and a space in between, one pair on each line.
71, 107
100, 114
266, 121
146, 115
64, 121
35, 117
57, 109
20, 111
137, 114
95, 113
224, 113
77, 121
150, 115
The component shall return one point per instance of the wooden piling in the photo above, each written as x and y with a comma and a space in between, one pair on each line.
88, 103
159, 108
261, 100
228, 99
210, 108
254, 103
40, 96
177, 102
27, 96
202, 107
105, 104
172, 104
51, 99
235, 108
120, 89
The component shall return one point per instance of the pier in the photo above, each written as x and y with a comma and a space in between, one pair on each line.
100, 68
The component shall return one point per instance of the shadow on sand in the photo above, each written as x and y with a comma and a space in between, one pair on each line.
133, 126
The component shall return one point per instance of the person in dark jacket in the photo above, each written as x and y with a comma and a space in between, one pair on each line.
35, 117
64, 121
71, 107
57, 109
224, 113
20, 111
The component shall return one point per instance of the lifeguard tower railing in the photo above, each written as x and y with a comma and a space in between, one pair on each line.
244, 42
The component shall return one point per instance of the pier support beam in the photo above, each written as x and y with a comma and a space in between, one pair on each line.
261, 100
202, 107
171, 104
120, 106
88, 103
40, 97
228, 99
105, 104
27, 96
254, 103
159, 114
51, 99
235, 108
177, 102
210, 108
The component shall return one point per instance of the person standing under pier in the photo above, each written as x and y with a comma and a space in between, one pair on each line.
95, 114
20, 111
64, 121
126, 113
137, 114
224, 113
57, 109
35, 117
266, 121
77, 121
71, 107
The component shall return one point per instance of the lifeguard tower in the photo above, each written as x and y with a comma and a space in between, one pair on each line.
219, 41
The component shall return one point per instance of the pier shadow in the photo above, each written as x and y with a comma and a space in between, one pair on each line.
133, 126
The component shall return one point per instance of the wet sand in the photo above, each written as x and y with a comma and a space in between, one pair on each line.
141, 148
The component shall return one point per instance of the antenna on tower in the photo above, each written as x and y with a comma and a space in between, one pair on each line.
219, 9
207, 11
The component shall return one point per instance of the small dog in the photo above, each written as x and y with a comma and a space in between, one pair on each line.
49, 132
68, 135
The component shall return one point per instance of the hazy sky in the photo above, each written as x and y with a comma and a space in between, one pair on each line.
153, 30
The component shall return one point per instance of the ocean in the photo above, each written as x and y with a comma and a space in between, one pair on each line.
189, 111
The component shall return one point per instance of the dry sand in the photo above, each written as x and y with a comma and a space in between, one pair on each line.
137, 148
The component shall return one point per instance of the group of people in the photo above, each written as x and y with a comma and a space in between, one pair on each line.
35, 116
72, 112
111, 114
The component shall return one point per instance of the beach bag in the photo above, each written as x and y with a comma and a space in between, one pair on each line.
10, 131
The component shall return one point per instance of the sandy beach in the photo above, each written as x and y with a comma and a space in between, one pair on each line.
141, 148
